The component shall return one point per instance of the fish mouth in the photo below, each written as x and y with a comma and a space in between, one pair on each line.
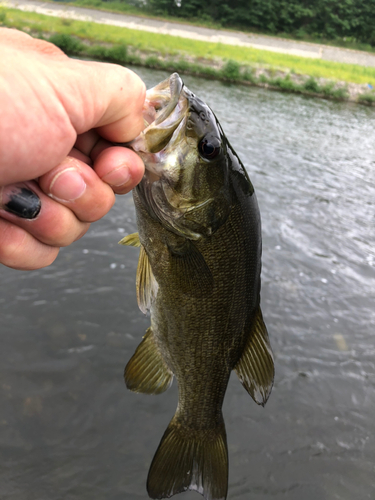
165, 108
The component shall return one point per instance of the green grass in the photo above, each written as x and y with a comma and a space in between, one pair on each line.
124, 8
368, 98
231, 71
169, 45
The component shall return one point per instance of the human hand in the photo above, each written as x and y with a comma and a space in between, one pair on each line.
58, 167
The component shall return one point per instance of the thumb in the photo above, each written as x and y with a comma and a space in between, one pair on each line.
48, 99
105, 96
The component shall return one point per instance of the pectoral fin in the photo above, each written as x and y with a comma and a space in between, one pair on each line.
146, 371
131, 240
255, 368
146, 284
190, 270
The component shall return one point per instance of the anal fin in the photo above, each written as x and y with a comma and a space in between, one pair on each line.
255, 368
146, 371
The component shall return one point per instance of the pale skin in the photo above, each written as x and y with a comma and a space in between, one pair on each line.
58, 122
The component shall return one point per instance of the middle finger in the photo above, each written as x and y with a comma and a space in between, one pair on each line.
26, 206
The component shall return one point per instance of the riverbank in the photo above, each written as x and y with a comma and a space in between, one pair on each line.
146, 15
205, 31
212, 60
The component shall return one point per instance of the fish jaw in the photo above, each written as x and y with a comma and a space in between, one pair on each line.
185, 190
175, 121
164, 109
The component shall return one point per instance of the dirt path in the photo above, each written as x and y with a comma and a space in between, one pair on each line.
263, 42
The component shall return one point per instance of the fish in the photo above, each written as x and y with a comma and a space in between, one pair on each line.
198, 275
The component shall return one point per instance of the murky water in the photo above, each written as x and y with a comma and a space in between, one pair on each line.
69, 429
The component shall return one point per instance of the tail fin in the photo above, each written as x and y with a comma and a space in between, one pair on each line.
189, 459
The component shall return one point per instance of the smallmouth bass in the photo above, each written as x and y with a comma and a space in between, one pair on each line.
199, 276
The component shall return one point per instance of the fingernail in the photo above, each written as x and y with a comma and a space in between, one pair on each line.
118, 177
67, 185
21, 201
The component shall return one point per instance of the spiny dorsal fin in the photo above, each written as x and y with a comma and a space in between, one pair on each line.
190, 459
131, 240
146, 283
146, 371
255, 368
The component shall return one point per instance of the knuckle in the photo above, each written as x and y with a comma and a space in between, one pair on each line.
135, 86
98, 210
123, 190
12, 244
139, 98
46, 257
85, 228
63, 233
76, 235
19, 250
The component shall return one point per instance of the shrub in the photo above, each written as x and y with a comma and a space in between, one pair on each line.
311, 85
327, 89
231, 70
97, 51
286, 84
248, 75
208, 71
181, 65
367, 98
152, 62
340, 93
67, 43
118, 53
3, 16
333, 19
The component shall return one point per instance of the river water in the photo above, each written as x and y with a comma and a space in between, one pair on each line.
70, 430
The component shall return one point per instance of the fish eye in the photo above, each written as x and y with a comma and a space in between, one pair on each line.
209, 148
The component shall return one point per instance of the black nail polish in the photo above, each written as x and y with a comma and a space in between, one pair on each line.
23, 202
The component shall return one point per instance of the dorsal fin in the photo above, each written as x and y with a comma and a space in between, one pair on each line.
255, 368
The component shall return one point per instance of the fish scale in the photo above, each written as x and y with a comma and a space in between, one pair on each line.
199, 275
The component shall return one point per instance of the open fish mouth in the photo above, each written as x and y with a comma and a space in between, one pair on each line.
165, 108
164, 98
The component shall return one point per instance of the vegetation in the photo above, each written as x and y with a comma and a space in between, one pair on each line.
328, 18
67, 43
344, 23
167, 45
248, 66
368, 98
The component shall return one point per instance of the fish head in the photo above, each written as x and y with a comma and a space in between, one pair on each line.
185, 153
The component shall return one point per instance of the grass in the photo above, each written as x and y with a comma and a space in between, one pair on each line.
124, 8
217, 61
176, 46
368, 98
